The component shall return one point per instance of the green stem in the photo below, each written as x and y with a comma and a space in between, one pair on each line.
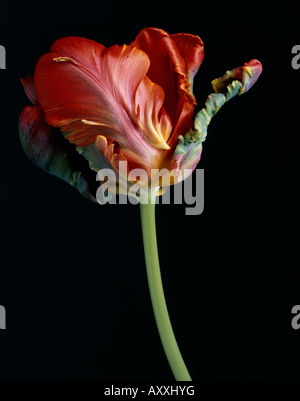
157, 294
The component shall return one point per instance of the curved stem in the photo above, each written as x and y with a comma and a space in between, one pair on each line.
157, 294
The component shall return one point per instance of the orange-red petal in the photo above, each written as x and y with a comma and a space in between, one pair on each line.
73, 85
87, 90
192, 51
174, 60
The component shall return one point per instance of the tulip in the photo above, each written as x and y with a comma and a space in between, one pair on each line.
94, 107
123, 103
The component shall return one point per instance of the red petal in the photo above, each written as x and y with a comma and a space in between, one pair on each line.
174, 60
87, 90
165, 64
72, 84
191, 49
29, 89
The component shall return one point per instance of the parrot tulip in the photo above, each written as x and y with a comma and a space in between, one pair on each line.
94, 107
97, 109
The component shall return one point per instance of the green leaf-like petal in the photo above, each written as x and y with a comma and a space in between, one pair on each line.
48, 149
235, 82
94, 157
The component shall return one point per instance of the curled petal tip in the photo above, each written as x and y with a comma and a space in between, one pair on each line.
253, 69
247, 75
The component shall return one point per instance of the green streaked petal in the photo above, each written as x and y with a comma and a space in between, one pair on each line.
233, 83
186, 156
212, 105
48, 149
94, 157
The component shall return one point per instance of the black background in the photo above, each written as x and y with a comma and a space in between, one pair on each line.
72, 275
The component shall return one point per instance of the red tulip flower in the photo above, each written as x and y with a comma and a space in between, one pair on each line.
123, 103
94, 107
